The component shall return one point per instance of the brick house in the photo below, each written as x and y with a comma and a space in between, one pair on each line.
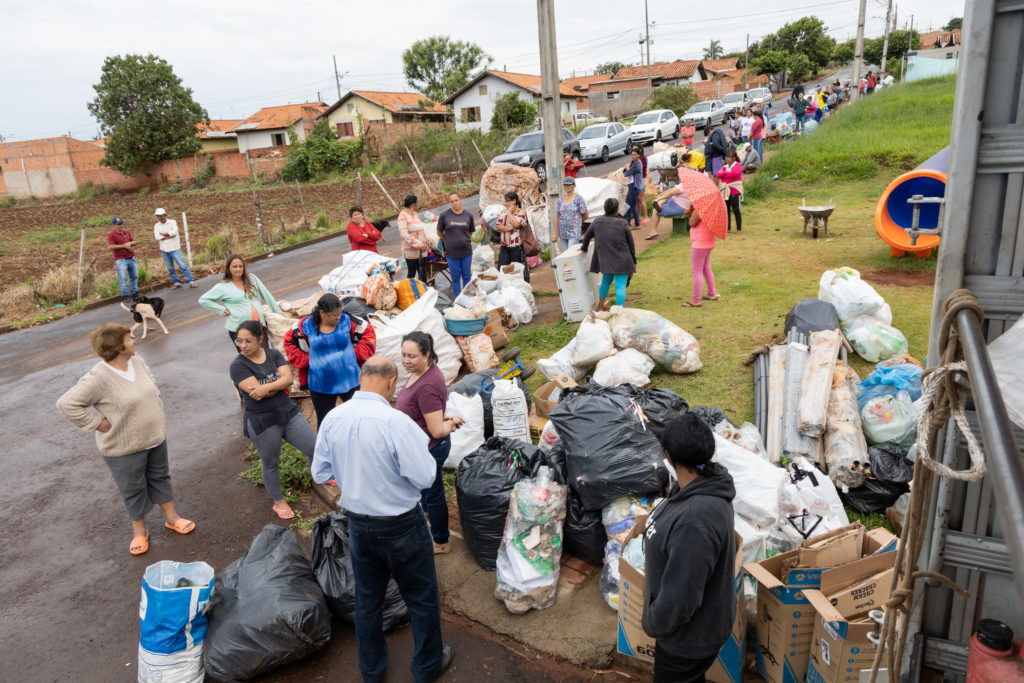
271, 127
626, 92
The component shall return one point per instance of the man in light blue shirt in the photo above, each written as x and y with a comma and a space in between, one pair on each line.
380, 460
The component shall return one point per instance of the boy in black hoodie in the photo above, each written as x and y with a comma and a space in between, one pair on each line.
690, 603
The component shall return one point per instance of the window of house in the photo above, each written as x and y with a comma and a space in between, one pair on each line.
345, 129
376, 120
277, 139
612, 95
351, 106
481, 90
470, 114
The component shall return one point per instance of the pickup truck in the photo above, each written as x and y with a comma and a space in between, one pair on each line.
585, 118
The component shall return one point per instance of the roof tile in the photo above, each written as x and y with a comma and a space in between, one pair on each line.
401, 102
279, 117
677, 69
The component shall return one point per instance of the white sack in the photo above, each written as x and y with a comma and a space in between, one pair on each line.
561, 362
483, 258
470, 435
671, 347
852, 296
754, 548
514, 303
595, 190
758, 482
424, 317
1006, 353
347, 279
537, 216
815, 493
514, 282
510, 412
628, 366
593, 342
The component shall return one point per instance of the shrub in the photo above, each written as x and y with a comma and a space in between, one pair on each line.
7, 202
205, 173
60, 284
320, 154
322, 219
89, 191
143, 191
678, 98
16, 302
220, 245
512, 112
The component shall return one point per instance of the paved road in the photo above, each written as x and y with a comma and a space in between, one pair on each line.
71, 590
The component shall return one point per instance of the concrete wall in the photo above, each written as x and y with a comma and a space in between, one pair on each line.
626, 103
48, 182
258, 139
219, 145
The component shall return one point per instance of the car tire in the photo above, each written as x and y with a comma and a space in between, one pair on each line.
541, 170
676, 134
657, 138
604, 154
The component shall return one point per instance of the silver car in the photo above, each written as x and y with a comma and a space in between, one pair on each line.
602, 140
707, 112
760, 96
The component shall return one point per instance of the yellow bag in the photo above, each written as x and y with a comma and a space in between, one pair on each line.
408, 291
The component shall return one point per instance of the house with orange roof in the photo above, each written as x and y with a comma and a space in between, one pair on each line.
626, 92
219, 136
473, 103
581, 85
381, 107
714, 66
273, 127
939, 45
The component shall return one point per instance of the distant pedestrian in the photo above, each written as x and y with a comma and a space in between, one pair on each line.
122, 244
263, 376
799, 113
731, 175
872, 81
572, 211
812, 107
414, 239
832, 101
702, 242
239, 296
571, 166
686, 133
382, 463
757, 132
641, 201
615, 254
689, 601
119, 400
362, 235
819, 104
510, 225
455, 226
715, 147
751, 159
746, 124
633, 172
165, 230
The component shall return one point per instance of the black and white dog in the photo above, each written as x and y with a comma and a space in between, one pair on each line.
144, 309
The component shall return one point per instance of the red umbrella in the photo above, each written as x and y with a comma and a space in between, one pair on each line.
706, 199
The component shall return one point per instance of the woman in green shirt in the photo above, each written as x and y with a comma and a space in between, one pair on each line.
239, 297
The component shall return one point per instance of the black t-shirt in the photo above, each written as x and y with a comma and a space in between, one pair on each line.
275, 409
456, 229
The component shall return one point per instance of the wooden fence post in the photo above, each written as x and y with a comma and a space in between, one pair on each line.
81, 258
302, 202
259, 218
416, 166
188, 243
359, 189
458, 160
480, 153
382, 190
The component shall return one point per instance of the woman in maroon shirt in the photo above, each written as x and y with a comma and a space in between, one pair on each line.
361, 233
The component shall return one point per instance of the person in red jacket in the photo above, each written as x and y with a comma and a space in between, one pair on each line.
572, 166
361, 233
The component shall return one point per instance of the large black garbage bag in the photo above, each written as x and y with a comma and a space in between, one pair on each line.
661, 406
610, 449
873, 495
267, 610
709, 416
483, 486
356, 307
470, 386
888, 463
332, 566
583, 534
811, 315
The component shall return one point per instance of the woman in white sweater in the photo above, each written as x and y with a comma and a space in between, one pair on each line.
119, 400
239, 296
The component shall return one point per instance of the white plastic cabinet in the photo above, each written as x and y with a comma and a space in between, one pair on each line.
576, 290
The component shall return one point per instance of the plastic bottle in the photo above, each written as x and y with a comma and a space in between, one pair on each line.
994, 654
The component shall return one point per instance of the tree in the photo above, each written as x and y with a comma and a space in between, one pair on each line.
806, 36
319, 154
772, 63
799, 67
678, 98
739, 56
845, 52
899, 42
714, 50
512, 112
609, 67
954, 23
146, 113
438, 66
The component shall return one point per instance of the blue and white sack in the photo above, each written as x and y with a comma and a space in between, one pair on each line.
172, 621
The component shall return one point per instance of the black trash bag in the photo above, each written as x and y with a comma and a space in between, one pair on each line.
888, 463
812, 314
483, 486
267, 610
356, 307
873, 495
709, 416
583, 533
470, 386
610, 450
332, 566
661, 406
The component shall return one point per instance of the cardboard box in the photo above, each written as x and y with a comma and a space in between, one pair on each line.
839, 645
541, 401
785, 618
632, 641
495, 330
834, 548
536, 422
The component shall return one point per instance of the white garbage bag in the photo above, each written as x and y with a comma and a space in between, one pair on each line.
510, 412
753, 535
758, 482
671, 347
888, 418
852, 296
595, 191
422, 316
593, 342
470, 435
809, 489
348, 278
747, 436
628, 366
514, 303
537, 216
873, 340
561, 363
483, 258
513, 282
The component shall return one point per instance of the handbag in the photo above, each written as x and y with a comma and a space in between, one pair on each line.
531, 247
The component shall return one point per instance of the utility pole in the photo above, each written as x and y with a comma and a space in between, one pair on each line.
858, 55
885, 42
337, 78
746, 64
647, 44
549, 108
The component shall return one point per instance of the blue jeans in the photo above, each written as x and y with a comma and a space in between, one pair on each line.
620, 286
566, 242
460, 270
172, 257
399, 547
759, 146
127, 276
433, 499
631, 204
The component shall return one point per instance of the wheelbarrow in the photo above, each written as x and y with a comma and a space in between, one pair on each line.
816, 216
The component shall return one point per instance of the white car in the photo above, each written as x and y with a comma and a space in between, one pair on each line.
734, 103
706, 112
654, 125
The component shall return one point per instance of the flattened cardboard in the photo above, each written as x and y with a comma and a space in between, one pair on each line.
834, 548
495, 330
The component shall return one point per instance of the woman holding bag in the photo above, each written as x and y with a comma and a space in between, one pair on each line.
731, 175
512, 226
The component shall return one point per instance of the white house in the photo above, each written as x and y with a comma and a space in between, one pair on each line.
272, 126
473, 103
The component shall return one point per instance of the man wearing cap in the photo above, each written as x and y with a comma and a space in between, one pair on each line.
121, 243
166, 232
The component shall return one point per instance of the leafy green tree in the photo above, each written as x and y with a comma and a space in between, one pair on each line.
438, 66
771, 63
799, 67
512, 112
678, 98
319, 154
147, 113
806, 36
899, 42
609, 67
954, 23
845, 52
714, 50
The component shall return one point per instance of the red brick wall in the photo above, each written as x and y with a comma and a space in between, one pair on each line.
377, 136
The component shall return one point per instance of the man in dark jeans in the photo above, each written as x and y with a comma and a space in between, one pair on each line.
380, 459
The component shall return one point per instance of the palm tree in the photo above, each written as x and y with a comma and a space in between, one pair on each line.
714, 51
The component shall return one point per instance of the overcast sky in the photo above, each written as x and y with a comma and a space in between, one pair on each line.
240, 56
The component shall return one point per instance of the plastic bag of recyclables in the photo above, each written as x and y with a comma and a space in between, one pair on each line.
852, 296
628, 366
562, 362
347, 279
424, 317
470, 435
670, 346
758, 482
618, 518
874, 340
531, 545
593, 341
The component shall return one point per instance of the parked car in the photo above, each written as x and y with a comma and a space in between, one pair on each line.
703, 113
760, 96
734, 103
585, 118
602, 140
654, 125
528, 150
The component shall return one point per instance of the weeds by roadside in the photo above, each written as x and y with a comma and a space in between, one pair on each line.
295, 476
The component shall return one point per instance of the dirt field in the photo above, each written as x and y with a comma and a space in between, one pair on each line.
53, 227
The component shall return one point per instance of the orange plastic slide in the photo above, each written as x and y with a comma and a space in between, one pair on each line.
894, 216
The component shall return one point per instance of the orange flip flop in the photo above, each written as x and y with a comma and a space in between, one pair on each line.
182, 526
139, 548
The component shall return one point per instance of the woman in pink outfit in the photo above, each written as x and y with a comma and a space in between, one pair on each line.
702, 241
731, 175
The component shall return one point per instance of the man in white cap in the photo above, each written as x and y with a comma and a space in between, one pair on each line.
165, 230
